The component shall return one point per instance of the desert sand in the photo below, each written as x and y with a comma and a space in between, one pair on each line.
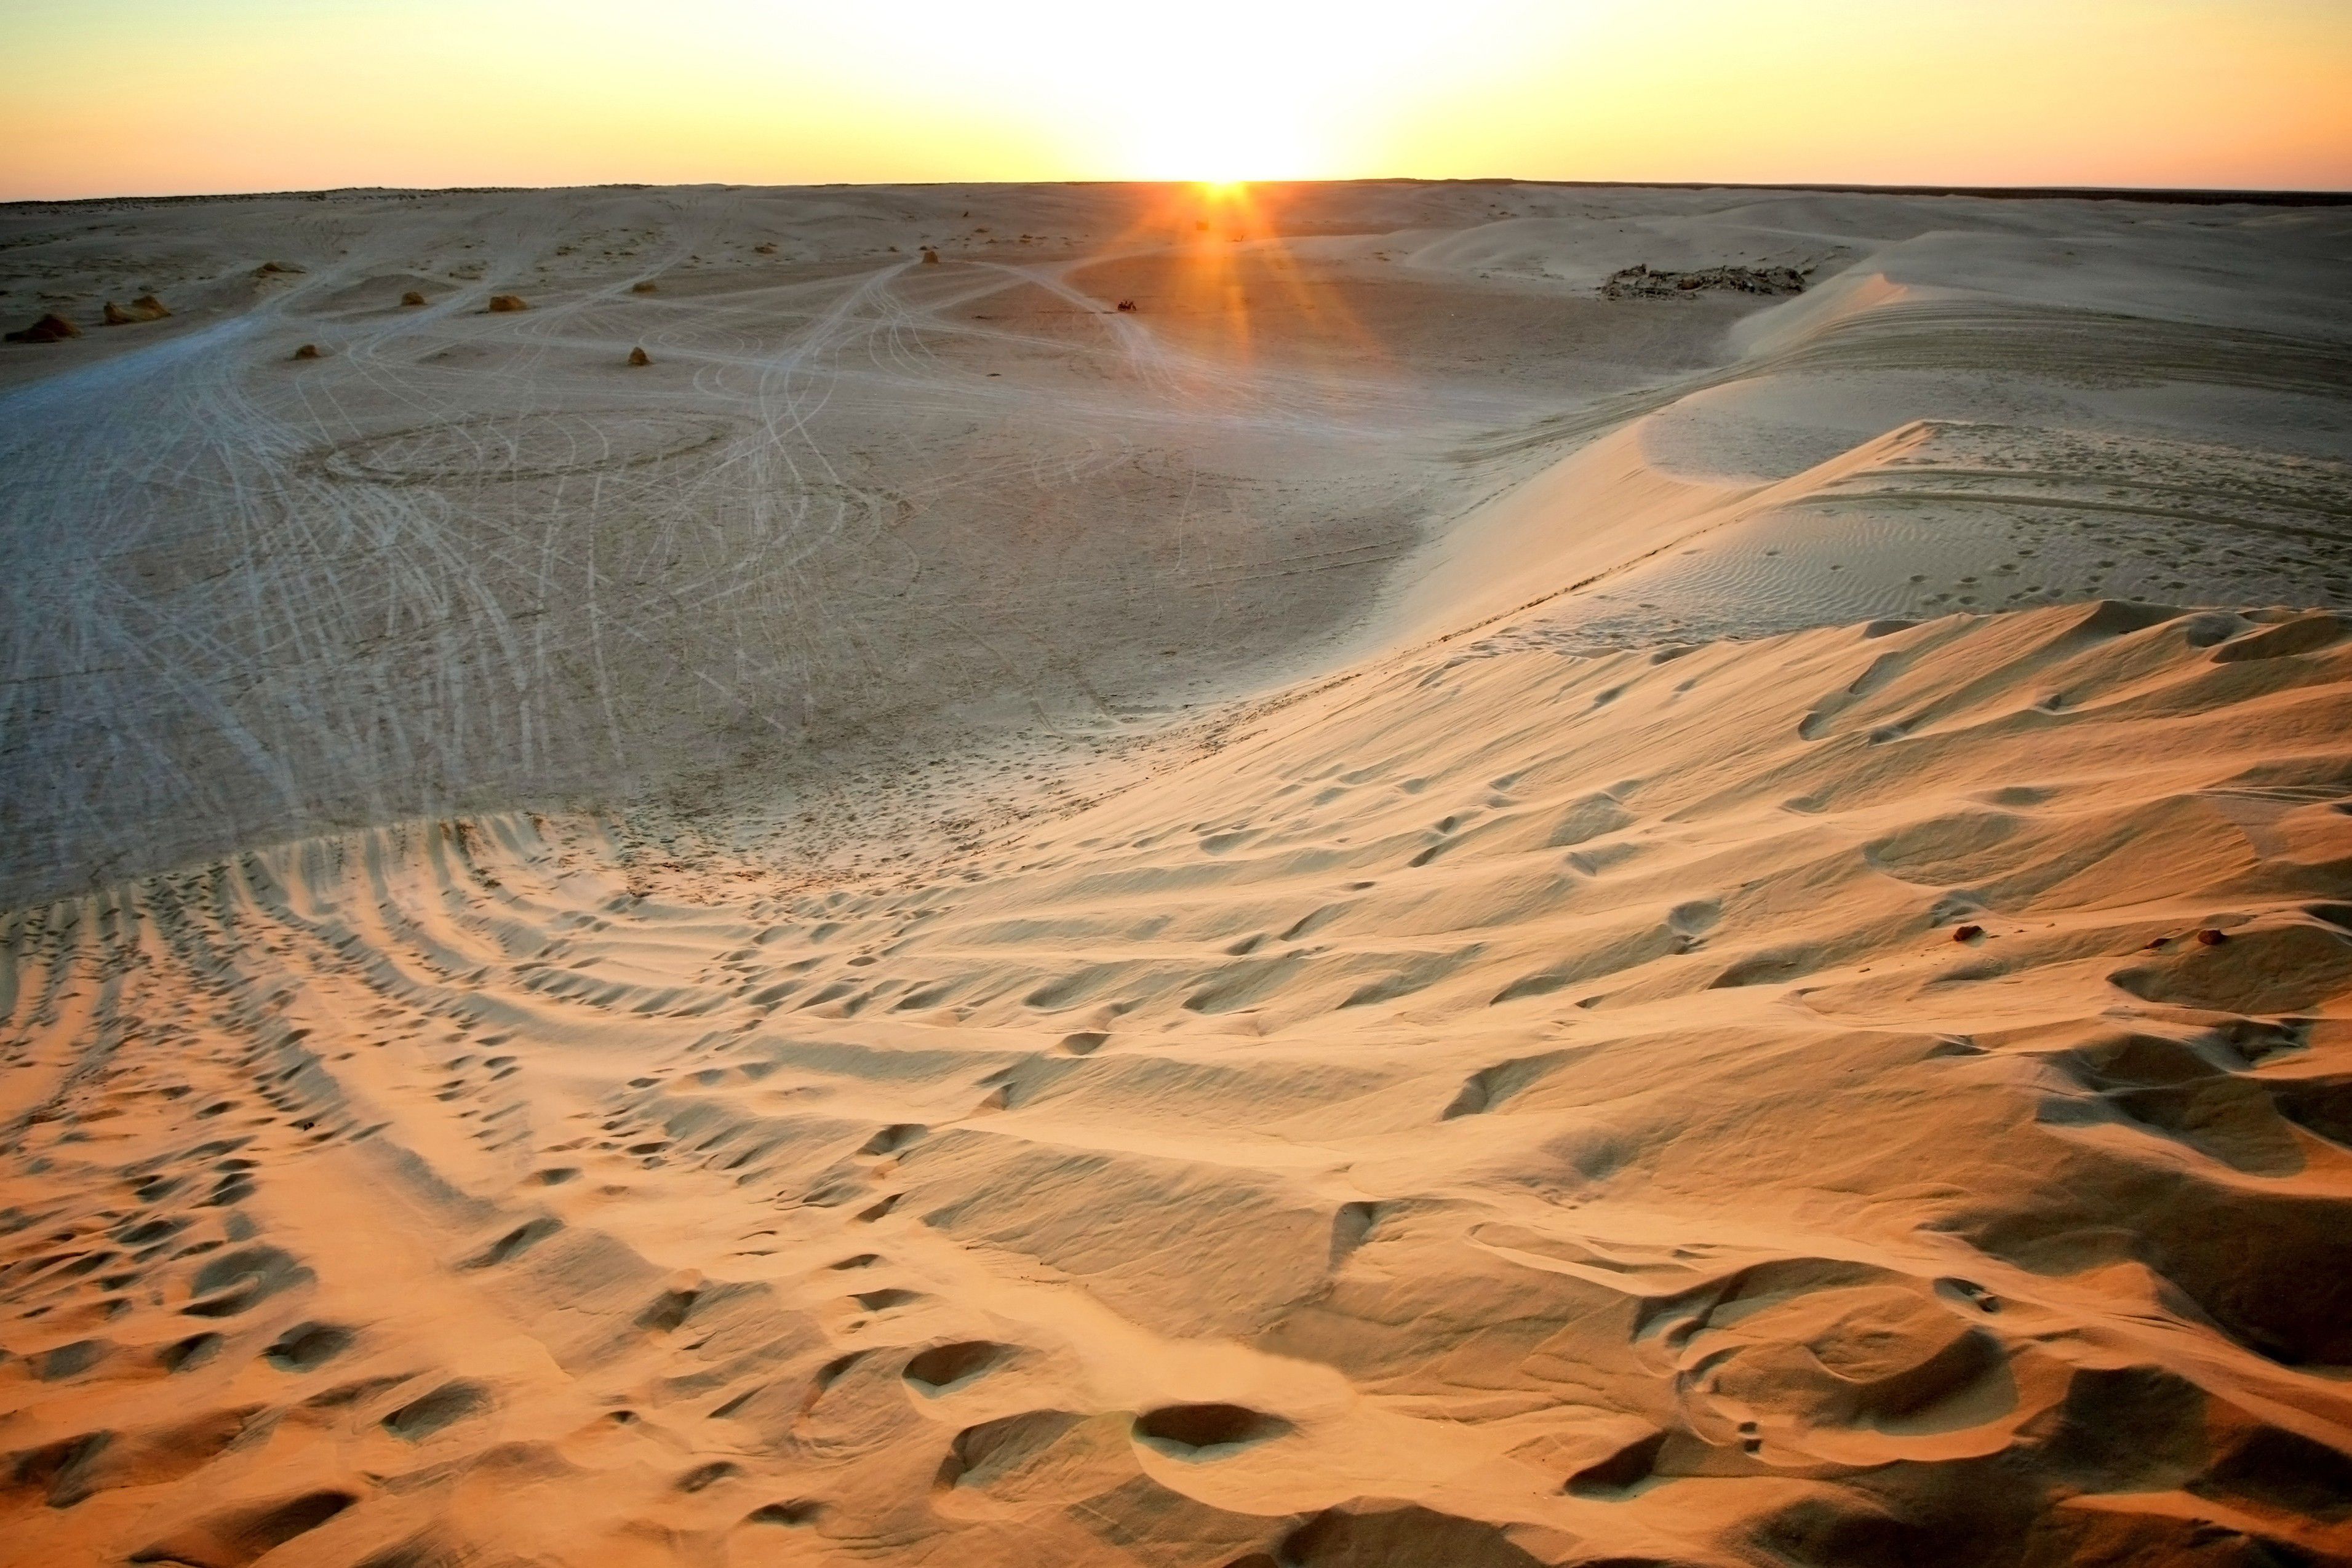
1430, 901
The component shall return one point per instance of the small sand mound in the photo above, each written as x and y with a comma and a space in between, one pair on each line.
639, 357
414, 297
501, 303
50, 329
645, 287
146, 308
306, 352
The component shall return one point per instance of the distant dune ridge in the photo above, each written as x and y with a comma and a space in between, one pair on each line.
1431, 901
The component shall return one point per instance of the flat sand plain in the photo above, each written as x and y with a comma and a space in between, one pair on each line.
1380, 912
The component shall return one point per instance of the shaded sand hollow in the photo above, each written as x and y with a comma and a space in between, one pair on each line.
1386, 911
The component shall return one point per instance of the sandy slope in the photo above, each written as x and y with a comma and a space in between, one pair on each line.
1704, 981
470, 561
1511, 1108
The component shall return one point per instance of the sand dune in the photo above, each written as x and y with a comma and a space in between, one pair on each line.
937, 500
1518, 1109
1385, 912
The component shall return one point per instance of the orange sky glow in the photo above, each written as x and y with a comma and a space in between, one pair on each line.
165, 97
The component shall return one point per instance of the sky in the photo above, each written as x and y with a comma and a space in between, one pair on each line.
168, 97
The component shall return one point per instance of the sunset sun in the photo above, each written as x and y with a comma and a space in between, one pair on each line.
1223, 139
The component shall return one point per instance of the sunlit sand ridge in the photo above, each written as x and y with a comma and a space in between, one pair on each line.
1384, 911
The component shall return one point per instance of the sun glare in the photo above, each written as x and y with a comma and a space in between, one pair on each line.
1220, 141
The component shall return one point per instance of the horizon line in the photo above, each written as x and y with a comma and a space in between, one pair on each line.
2159, 195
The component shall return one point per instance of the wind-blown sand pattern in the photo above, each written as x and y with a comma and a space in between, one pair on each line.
1384, 913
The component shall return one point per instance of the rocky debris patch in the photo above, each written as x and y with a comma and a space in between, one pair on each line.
1642, 282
